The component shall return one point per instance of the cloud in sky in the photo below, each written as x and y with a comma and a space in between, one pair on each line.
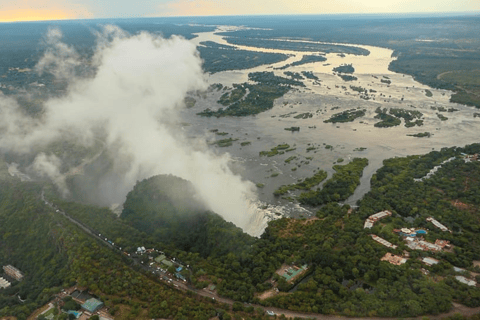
24, 10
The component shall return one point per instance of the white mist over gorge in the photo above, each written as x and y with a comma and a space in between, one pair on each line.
130, 103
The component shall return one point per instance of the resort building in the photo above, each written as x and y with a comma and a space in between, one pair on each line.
422, 245
430, 261
368, 224
375, 217
383, 242
92, 305
4, 283
437, 224
13, 272
393, 259
443, 243
466, 281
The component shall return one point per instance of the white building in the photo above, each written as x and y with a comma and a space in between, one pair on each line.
4, 283
383, 242
13, 272
437, 224
430, 261
466, 281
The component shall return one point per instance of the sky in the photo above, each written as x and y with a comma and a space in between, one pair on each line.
30, 10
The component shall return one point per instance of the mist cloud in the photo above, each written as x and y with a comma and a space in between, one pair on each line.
49, 167
132, 98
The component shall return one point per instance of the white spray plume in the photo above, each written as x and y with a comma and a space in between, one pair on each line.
59, 58
49, 166
139, 83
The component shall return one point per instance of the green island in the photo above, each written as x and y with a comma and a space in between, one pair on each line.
420, 135
305, 115
442, 117
305, 184
411, 117
310, 75
339, 187
305, 59
237, 93
344, 68
358, 89
296, 46
346, 116
224, 142
280, 149
189, 102
292, 129
260, 96
346, 77
386, 119
443, 109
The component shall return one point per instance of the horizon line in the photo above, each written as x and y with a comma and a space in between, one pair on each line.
440, 13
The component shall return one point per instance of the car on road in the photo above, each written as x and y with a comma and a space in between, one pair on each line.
270, 313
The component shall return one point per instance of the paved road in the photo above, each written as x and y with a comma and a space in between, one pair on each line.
457, 308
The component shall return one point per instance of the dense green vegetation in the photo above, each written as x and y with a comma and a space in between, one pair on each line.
260, 96
53, 254
411, 117
386, 119
166, 208
339, 187
345, 277
230, 97
305, 184
346, 116
438, 68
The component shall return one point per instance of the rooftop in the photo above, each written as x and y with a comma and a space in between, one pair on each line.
430, 261
393, 259
466, 281
91, 305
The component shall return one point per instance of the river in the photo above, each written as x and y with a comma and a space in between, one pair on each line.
266, 129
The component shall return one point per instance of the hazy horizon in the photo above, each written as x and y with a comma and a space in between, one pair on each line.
53, 10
